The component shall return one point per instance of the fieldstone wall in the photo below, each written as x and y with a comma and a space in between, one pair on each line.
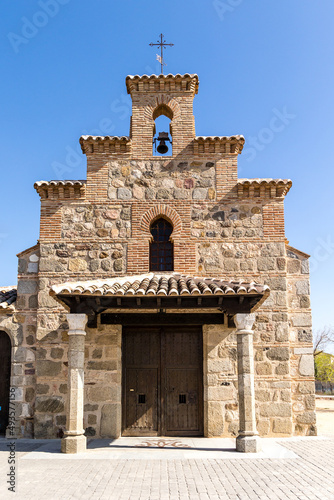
23, 333
51, 376
237, 221
103, 382
68, 258
229, 242
94, 230
301, 347
103, 372
95, 221
217, 237
161, 180
244, 259
272, 384
220, 381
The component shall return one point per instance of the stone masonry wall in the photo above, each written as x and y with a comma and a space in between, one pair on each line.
100, 229
272, 384
23, 333
105, 176
218, 237
162, 180
103, 369
301, 346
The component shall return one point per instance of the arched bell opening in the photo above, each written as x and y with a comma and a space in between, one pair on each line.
162, 132
5, 366
161, 246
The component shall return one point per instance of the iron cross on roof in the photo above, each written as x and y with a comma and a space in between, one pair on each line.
162, 44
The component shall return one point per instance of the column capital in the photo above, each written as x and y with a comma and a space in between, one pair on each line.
77, 323
244, 322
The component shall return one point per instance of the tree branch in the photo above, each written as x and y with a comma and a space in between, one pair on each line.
323, 338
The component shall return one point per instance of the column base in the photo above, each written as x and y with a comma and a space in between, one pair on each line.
74, 444
248, 444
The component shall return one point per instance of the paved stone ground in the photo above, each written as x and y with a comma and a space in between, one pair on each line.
305, 471
325, 415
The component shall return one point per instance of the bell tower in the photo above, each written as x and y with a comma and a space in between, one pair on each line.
153, 96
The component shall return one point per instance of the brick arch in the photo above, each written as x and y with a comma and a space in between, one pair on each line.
163, 109
165, 212
162, 102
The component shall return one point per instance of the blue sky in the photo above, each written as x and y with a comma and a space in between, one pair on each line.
64, 64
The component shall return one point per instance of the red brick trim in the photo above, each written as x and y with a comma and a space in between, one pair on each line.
50, 222
157, 105
138, 256
167, 213
273, 220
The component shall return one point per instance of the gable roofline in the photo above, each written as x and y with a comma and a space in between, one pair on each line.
28, 250
298, 252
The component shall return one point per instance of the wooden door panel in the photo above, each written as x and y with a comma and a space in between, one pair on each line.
162, 384
141, 399
182, 400
141, 354
182, 357
183, 347
5, 362
142, 347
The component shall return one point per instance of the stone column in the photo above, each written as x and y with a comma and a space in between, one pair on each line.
247, 440
74, 440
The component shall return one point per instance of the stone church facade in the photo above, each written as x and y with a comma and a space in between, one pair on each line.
162, 297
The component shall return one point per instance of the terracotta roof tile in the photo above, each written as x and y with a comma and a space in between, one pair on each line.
265, 181
161, 77
132, 80
104, 138
220, 138
160, 284
282, 186
59, 183
8, 296
219, 144
94, 143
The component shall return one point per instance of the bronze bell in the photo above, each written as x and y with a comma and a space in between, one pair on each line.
162, 146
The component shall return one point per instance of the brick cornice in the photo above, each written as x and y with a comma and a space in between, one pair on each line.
219, 144
55, 190
263, 188
105, 144
187, 83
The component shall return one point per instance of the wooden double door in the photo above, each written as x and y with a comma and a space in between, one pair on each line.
162, 381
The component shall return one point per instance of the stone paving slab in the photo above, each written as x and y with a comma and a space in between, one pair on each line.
305, 474
131, 448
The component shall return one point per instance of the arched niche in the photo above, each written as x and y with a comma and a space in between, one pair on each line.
163, 109
162, 117
166, 212
161, 246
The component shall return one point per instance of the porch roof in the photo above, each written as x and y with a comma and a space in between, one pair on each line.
160, 291
8, 296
